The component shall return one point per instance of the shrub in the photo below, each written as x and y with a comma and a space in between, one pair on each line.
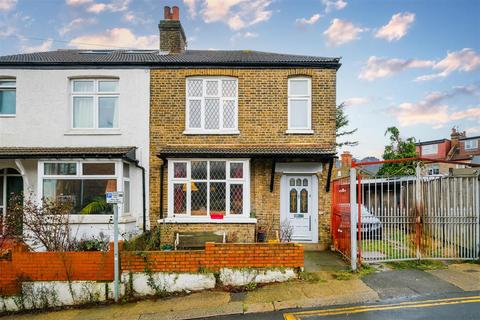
147, 241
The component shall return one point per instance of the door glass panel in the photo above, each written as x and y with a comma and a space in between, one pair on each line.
299, 182
292, 182
293, 201
304, 201
305, 182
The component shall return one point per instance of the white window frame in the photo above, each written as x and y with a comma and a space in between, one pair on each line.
10, 115
202, 130
95, 94
308, 98
118, 176
228, 218
470, 144
431, 149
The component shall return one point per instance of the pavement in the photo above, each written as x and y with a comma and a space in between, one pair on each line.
319, 288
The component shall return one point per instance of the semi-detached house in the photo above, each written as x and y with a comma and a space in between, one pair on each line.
232, 141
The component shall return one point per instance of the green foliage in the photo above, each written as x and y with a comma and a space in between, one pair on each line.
309, 277
341, 121
398, 148
147, 241
96, 206
251, 286
99, 243
418, 265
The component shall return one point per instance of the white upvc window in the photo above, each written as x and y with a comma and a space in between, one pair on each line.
8, 97
211, 105
471, 144
209, 189
83, 183
430, 149
299, 105
94, 103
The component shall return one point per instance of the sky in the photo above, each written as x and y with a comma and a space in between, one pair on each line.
410, 64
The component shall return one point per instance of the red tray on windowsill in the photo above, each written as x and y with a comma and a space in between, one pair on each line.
216, 216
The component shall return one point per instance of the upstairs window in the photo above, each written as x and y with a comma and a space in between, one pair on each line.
430, 149
471, 144
7, 97
95, 103
212, 105
299, 105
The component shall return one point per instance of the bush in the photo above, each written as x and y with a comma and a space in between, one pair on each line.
147, 241
92, 244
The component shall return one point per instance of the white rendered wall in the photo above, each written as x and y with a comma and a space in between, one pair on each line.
43, 119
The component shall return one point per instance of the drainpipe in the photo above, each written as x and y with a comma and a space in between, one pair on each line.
162, 169
144, 201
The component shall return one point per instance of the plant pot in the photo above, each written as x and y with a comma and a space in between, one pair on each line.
261, 236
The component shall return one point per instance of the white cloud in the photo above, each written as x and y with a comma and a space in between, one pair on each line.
244, 35
114, 6
115, 38
378, 67
397, 27
473, 131
331, 5
75, 3
6, 5
74, 24
44, 46
237, 14
434, 110
310, 21
250, 35
356, 101
7, 31
191, 6
341, 32
464, 60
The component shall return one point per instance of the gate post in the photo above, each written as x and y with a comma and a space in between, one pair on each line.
353, 219
418, 210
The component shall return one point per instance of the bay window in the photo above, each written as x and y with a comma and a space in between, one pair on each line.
83, 184
299, 105
211, 105
94, 103
208, 188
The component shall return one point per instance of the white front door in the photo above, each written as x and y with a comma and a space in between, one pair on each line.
298, 206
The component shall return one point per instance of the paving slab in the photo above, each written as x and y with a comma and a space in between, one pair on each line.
405, 283
318, 261
465, 276
258, 307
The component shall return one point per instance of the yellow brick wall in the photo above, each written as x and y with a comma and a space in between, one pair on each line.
262, 119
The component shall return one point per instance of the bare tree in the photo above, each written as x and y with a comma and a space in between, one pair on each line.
286, 231
45, 224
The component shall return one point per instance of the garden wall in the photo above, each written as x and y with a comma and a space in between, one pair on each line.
66, 278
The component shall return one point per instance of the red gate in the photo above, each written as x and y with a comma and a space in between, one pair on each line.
340, 225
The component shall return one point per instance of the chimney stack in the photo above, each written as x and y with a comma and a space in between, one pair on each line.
455, 136
172, 36
346, 159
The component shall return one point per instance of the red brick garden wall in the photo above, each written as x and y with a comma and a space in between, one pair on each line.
22, 265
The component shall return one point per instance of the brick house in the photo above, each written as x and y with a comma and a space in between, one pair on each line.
240, 141
458, 148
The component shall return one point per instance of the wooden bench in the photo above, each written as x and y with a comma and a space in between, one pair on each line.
196, 240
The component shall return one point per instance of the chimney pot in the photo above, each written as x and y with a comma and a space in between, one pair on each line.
346, 159
176, 13
167, 13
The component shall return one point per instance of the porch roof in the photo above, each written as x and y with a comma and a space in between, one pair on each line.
127, 153
313, 151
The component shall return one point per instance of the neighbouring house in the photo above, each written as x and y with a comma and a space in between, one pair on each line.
74, 125
458, 148
240, 141
344, 164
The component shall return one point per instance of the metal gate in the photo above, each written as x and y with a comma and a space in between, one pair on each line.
406, 217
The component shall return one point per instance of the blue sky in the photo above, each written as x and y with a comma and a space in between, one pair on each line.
411, 64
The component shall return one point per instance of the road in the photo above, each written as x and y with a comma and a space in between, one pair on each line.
453, 306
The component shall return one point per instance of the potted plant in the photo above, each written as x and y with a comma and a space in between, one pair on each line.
261, 234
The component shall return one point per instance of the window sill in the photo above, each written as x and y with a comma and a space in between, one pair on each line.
303, 131
8, 115
93, 132
224, 132
191, 219
99, 218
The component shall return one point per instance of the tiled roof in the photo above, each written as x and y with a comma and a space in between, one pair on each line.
223, 151
155, 58
67, 152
